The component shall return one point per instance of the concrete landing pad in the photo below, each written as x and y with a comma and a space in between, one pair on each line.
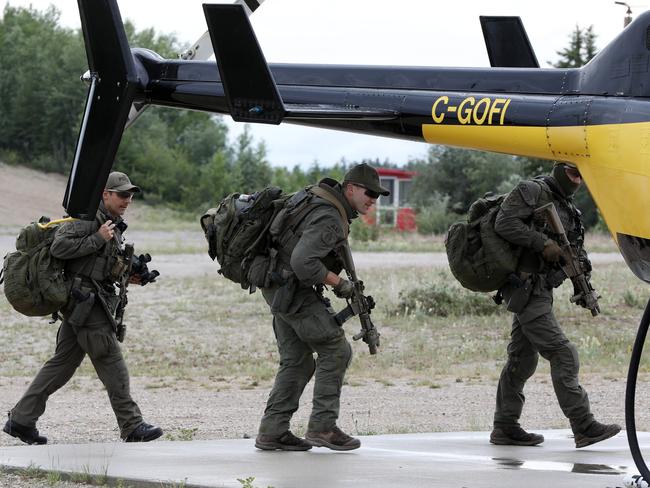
457, 459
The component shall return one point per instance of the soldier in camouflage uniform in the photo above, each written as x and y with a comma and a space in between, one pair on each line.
91, 250
535, 331
308, 253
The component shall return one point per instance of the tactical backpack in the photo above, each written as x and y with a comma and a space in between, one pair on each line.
479, 258
34, 280
244, 231
236, 232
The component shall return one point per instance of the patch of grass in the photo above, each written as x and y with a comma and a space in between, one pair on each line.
362, 423
399, 242
182, 434
83, 476
635, 299
428, 384
155, 386
33, 471
159, 218
173, 484
248, 482
442, 299
53, 477
207, 328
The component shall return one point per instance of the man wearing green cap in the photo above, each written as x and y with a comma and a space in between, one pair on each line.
92, 251
535, 330
307, 242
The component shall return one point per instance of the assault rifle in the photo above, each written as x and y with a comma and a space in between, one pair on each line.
358, 304
120, 326
585, 295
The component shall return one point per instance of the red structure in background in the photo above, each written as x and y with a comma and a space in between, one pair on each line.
394, 211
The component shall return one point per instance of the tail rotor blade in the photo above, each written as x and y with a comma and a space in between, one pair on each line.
113, 83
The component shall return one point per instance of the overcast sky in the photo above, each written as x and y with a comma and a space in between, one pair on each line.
380, 32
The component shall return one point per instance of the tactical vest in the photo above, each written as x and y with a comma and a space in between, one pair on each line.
569, 214
106, 266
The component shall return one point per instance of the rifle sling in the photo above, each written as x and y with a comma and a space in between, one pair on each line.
325, 195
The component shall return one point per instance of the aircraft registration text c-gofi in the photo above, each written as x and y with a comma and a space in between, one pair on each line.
596, 117
470, 110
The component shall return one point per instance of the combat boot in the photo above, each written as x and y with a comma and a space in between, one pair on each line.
596, 432
334, 439
514, 435
29, 435
144, 433
283, 442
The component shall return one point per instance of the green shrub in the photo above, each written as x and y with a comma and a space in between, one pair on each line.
363, 232
434, 217
634, 299
442, 300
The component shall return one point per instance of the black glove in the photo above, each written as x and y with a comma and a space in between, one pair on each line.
555, 277
344, 289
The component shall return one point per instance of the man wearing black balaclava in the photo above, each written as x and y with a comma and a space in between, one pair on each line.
535, 330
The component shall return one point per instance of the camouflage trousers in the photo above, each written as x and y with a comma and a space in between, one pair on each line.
535, 332
97, 339
311, 329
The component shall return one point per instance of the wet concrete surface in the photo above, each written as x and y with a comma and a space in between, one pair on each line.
454, 459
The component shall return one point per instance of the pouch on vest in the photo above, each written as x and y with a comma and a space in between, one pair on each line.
479, 258
34, 280
519, 296
83, 299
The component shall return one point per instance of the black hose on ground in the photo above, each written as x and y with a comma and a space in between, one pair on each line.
630, 391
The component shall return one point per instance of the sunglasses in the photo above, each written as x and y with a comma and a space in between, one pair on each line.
369, 193
124, 195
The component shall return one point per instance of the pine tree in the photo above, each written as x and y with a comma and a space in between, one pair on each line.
589, 43
581, 48
571, 56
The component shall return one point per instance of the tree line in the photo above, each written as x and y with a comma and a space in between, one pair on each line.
184, 159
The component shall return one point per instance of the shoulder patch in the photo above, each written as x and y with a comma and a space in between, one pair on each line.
529, 191
331, 233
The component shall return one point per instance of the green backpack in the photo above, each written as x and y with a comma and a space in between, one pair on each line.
244, 231
237, 235
34, 280
479, 258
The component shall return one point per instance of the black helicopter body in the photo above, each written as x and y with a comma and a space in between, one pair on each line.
596, 117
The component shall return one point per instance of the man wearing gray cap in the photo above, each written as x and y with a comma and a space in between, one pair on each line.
307, 236
94, 263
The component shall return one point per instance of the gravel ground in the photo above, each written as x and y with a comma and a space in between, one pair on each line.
80, 412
